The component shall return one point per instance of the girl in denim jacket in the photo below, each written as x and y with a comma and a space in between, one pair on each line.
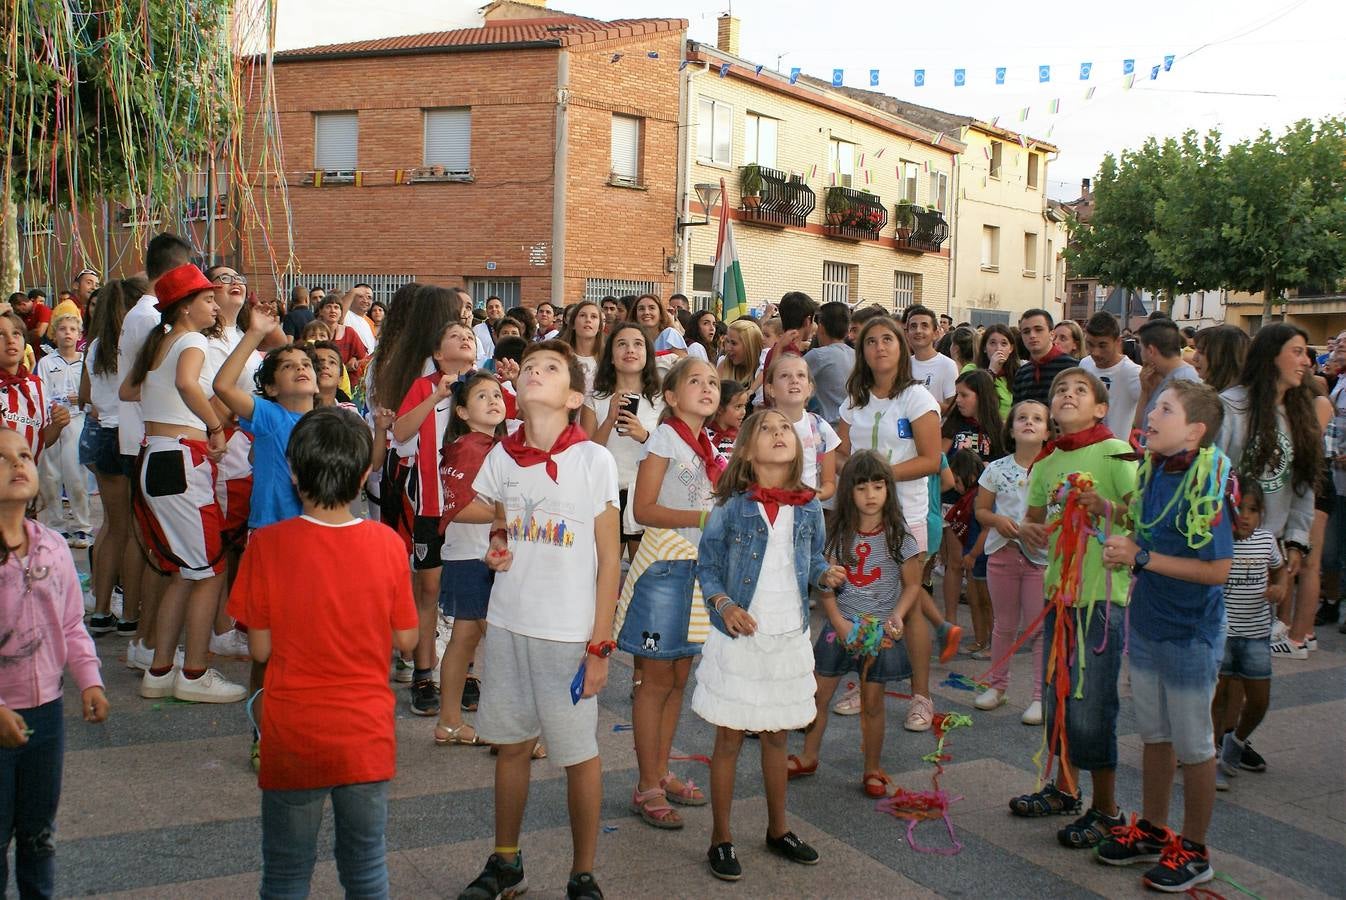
761, 551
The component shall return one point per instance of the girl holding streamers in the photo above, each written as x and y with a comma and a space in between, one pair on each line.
791, 386
660, 617
1013, 569
761, 553
871, 612
476, 423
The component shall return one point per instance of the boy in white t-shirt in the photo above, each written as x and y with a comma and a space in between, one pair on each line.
1121, 376
550, 495
60, 374
931, 368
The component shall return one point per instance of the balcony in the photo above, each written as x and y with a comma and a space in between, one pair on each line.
920, 229
854, 215
781, 200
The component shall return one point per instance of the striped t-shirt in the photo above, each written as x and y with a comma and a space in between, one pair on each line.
874, 582
23, 407
1245, 594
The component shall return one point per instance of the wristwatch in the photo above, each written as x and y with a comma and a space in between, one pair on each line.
1142, 560
602, 649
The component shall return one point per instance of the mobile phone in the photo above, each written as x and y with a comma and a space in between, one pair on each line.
631, 403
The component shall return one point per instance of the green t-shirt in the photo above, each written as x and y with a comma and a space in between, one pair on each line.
1114, 479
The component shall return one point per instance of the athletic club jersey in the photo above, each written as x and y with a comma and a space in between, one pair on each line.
422, 452
23, 407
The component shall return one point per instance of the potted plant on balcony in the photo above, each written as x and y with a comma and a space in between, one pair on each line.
837, 206
750, 185
906, 218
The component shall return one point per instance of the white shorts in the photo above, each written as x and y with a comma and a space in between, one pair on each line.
177, 510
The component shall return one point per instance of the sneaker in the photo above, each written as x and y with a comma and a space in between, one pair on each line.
1311, 641
951, 635
80, 540
255, 755
1089, 830
424, 698
1033, 714
153, 687
583, 886
1230, 754
232, 643
724, 862
1134, 842
849, 704
102, 623
402, 669
498, 881
1279, 630
1221, 779
138, 656
1327, 613
118, 601
920, 714
1183, 865
127, 627
90, 602
1250, 759
211, 687
991, 698
792, 848
471, 694
1285, 648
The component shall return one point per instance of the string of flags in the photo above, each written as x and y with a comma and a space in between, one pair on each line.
920, 77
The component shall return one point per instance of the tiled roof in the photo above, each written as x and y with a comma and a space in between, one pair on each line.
552, 31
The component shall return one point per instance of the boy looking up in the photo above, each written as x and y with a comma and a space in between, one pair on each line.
1176, 634
1034, 379
1103, 340
928, 366
1162, 364
326, 625
551, 496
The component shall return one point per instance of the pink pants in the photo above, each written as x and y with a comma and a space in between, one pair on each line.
1016, 599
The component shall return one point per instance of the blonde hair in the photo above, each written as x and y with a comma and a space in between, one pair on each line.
79, 323
750, 336
739, 475
677, 374
774, 326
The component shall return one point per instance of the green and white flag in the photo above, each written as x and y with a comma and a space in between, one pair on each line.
731, 299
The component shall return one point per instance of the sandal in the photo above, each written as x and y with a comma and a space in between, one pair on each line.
1050, 801
875, 785
652, 806
539, 750
1090, 829
794, 768
453, 736
689, 795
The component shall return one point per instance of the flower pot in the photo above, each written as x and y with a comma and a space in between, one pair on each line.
903, 233
834, 218
751, 201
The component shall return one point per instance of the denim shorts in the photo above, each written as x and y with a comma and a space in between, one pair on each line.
1091, 721
1246, 657
831, 659
661, 607
465, 588
98, 449
1172, 685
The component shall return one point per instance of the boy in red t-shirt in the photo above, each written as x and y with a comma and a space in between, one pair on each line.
322, 626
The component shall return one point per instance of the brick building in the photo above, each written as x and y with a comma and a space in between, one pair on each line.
531, 157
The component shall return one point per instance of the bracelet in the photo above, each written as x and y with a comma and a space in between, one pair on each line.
702, 523
216, 430
501, 532
724, 600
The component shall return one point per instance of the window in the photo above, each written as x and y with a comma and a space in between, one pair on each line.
906, 289
838, 279
448, 139
336, 136
703, 279
759, 140
1051, 261
1030, 253
1033, 170
910, 175
939, 191
997, 151
990, 247
714, 128
384, 285
507, 289
982, 317
625, 149
841, 161
596, 289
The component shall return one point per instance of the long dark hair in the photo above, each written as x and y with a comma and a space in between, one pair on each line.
693, 335
462, 388
989, 423
1225, 348
1012, 361
861, 383
1261, 446
605, 376
168, 318
740, 475
115, 300
863, 467
568, 331
410, 336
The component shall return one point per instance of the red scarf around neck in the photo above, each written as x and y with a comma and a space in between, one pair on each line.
1075, 441
19, 379
1037, 364
772, 498
460, 461
701, 445
516, 445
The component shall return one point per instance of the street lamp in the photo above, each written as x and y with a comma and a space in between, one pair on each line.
708, 194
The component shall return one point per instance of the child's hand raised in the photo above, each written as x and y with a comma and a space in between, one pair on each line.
506, 369
834, 577
95, 705
13, 730
737, 621
384, 419
263, 320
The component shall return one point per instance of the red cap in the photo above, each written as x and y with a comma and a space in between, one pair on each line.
180, 283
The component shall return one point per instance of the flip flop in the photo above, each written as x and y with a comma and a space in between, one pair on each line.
794, 768
455, 737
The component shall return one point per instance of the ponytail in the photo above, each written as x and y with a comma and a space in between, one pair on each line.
168, 317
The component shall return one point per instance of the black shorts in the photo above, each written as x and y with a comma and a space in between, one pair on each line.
623, 496
426, 543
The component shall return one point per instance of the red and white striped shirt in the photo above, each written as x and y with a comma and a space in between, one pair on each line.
424, 489
23, 407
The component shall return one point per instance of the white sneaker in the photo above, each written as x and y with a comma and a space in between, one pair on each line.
90, 604
1279, 630
211, 687
849, 704
1288, 649
138, 656
1032, 715
991, 698
402, 670
1311, 641
232, 643
152, 687
118, 601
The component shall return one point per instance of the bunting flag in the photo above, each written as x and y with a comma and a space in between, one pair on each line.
1089, 94
399, 177
959, 77
317, 177
1023, 114
995, 121
920, 78
616, 57
758, 70
794, 74
866, 176
1154, 74
925, 163
813, 173
1085, 70
1044, 74
838, 77
1054, 107
1023, 142
1168, 62
1128, 67
879, 153
731, 298
1000, 75
724, 69
862, 160
652, 54
682, 65
939, 137
1050, 129
985, 151
1129, 81
359, 179
873, 77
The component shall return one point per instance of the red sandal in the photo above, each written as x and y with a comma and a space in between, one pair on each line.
794, 768
875, 785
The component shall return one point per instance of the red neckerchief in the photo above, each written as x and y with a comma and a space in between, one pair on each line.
772, 498
459, 464
1068, 442
960, 515
19, 379
1178, 462
1037, 364
516, 445
701, 446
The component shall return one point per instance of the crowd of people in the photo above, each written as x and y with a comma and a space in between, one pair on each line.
536, 488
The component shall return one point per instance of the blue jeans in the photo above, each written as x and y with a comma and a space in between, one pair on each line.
1091, 721
30, 788
290, 821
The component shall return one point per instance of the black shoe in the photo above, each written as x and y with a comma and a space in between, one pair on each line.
1251, 759
102, 623
127, 627
1327, 613
1183, 865
471, 694
724, 862
1089, 830
498, 881
1136, 842
1050, 801
583, 887
425, 698
792, 848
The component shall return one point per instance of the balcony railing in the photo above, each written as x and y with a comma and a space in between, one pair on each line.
928, 232
854, 215
784, 200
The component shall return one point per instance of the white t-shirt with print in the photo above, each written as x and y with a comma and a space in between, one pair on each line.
1009, 482
885, 426
685, 485
548, 591
816, 437
1123, 384
939, 375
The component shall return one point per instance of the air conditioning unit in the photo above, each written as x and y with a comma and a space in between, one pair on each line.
338, 176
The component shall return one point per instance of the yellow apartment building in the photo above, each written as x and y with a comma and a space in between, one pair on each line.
827, 194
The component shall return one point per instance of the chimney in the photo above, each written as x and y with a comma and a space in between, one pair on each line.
727, 40
1084, 187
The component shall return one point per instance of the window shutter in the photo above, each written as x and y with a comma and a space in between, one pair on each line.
448, 139
336, 138
724, 128
750, 152
626, 147
705, 124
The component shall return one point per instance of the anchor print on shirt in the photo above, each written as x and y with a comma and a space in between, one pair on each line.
858, 576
